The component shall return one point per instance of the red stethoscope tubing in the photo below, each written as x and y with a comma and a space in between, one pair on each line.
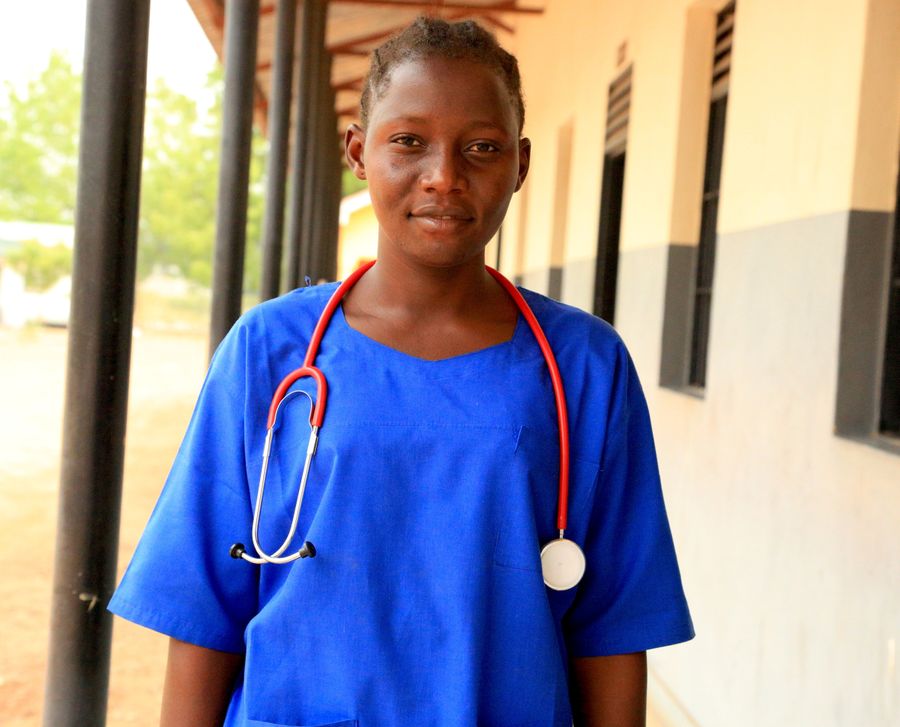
562, 413
317, 415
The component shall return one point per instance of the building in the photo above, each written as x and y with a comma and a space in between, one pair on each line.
717, 179
720, 180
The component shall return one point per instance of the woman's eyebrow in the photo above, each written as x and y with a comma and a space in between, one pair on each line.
421, 120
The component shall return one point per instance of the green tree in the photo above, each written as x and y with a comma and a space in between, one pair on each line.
350, 184
39, 145
41, 265
182, 139
180, 178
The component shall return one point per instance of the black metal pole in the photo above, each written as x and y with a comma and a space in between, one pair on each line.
99, 354
331, 193
312, 37
337, 168
276, 164
241, 30
312, 208
317, 199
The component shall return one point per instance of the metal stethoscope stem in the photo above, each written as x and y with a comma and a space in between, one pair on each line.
308, 549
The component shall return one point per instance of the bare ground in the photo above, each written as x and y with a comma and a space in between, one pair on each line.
166, 373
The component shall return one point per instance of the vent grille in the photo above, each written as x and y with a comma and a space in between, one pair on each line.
722, 54
617, 109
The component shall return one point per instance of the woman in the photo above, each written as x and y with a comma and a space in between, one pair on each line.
434, 483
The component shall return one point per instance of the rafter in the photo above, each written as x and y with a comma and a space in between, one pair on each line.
459, 10
349, 111
497, 23
350, 84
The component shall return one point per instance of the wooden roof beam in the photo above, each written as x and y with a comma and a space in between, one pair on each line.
348, 47
497, 23
350, 84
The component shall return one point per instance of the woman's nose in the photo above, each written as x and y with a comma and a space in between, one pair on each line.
443, 172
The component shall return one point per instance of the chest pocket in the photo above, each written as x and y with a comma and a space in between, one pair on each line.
529, 521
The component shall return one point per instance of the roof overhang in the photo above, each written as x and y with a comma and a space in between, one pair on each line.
354, 29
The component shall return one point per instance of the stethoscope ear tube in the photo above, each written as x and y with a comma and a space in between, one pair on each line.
562, 414
317, 411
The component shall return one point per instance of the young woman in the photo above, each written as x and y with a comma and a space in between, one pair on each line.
435, 481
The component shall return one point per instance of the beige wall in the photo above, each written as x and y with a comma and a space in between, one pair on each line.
788, 536
358, 233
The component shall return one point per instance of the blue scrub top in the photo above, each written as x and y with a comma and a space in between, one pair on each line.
432, 490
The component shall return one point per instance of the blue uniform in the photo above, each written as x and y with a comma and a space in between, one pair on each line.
432, 490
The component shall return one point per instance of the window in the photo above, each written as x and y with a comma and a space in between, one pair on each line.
706, 248
690, 267
889, 421
617, 109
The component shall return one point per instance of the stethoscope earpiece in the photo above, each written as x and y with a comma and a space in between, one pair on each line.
238, 552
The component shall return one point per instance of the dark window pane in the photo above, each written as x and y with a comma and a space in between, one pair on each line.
608, 240
706, 252
890, 385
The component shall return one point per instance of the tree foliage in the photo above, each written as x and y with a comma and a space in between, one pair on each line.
39, 146
182, 138
182, 143
41, 265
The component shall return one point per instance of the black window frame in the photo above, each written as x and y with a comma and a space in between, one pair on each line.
612, 189
687, 312
889, 404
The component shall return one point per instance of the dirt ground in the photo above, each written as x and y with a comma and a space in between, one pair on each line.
166, 374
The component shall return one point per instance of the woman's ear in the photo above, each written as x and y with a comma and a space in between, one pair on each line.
524, 161
354, 143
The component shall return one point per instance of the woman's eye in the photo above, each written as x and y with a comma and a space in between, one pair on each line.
483, 147
405, 140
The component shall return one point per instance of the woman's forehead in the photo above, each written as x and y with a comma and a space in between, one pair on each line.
435, 88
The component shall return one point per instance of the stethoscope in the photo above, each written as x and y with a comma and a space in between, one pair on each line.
562, 560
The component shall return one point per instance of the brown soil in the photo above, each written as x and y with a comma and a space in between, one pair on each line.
166, 374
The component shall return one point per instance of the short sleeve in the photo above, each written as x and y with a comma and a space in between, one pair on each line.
631, 597
181, 580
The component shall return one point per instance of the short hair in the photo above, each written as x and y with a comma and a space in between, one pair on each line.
428, 37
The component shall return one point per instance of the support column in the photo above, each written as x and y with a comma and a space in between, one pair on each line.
317, 196
241, 30
336, 193
312, 42
276, 165
99, 354
331, 194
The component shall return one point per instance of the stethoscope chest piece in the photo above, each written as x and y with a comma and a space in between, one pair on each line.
562, 564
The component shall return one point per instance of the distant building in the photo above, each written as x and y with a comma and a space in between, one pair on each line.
17, 305
358, 233
14, 233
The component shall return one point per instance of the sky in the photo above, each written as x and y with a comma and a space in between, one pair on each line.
179, 51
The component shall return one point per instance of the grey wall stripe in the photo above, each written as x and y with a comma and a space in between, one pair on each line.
677, 314
863, 321
554, 285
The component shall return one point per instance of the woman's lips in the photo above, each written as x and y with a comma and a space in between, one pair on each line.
435, 217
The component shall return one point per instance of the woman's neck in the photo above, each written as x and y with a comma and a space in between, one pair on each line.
431, 312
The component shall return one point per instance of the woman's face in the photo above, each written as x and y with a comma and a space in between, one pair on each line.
442, 156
